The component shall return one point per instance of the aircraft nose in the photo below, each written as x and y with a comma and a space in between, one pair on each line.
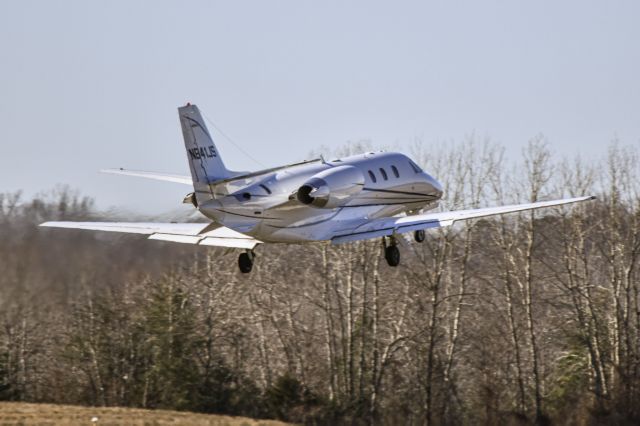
431, 181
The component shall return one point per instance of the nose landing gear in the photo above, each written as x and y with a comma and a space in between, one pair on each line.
245, 261
419, 235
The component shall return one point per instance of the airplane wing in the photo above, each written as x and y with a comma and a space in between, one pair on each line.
397, 225
206, 234
186, 180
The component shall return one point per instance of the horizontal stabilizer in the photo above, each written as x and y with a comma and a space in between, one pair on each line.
186, 180
242, 176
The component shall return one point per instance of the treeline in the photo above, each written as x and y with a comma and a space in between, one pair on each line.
527, 318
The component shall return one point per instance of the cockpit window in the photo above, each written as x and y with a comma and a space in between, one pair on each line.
394, 169
372, 176
415, 167
384, 173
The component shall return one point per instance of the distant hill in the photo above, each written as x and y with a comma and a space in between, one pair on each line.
14, 413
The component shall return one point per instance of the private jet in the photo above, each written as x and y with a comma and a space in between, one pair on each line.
371, 195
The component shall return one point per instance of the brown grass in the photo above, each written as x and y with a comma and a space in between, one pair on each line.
14, 413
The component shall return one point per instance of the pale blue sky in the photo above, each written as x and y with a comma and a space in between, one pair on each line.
86, 85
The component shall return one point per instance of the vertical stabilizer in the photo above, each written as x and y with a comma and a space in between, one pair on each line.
204, 159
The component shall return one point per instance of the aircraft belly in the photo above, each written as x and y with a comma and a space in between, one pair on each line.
301, 224
306, 224
321, 226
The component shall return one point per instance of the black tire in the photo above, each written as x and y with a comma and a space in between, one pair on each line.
392, 255
419, 235
245, 263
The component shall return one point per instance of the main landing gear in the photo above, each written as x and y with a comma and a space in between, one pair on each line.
245, 261
391, 251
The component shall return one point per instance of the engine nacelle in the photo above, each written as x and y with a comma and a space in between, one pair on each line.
331, 188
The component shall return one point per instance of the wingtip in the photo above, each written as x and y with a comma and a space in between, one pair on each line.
593, 197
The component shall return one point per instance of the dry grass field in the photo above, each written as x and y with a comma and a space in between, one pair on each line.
13, 413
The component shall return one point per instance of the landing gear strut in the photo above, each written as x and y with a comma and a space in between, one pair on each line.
245, 261
419, 235
391, 252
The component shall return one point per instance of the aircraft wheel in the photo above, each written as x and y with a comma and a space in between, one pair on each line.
419, 235
392, 255
245, 262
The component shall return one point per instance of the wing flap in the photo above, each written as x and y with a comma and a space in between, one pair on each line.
390, 229
389, 226
185, 239
244, 243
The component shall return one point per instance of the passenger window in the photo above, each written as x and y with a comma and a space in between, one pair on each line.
395, 171
372, 176
384, 174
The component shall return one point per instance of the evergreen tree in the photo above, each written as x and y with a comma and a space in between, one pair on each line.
170, 345
5, 387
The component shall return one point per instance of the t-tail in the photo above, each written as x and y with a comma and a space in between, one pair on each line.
205, 162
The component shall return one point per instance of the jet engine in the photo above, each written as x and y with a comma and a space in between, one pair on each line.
331, 188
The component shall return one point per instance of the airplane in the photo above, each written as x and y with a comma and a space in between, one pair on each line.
360, 197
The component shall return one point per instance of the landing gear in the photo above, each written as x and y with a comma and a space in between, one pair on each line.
245, 261
391, 252
392, 255
419, 235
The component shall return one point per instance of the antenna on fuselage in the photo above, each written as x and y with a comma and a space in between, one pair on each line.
238, 147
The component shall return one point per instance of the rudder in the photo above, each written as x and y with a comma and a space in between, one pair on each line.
204, 159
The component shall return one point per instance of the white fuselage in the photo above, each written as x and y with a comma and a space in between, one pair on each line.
266, 207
